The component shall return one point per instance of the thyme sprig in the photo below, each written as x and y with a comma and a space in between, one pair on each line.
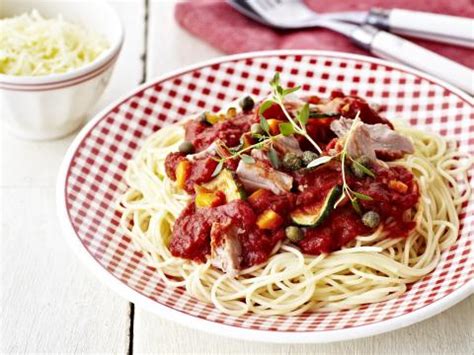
263, 142
352, 195
289, 128
297, 126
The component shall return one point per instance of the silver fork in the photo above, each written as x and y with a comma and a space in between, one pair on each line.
294, 14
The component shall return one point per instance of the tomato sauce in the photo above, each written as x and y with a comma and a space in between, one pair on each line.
192, 229
200, 171
354, 104
339, 229
229, 131
274, 111
281, 204
388, 202
171, 162
319, 128
191, 232
317, 182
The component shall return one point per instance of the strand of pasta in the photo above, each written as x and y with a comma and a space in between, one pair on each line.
371, 269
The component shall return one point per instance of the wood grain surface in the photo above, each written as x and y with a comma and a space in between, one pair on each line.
51, 303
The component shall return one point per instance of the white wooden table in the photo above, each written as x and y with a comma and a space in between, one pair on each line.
51, 303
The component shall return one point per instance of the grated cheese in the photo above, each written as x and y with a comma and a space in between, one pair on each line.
33, 45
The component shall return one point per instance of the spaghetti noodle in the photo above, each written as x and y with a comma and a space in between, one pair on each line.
372, 268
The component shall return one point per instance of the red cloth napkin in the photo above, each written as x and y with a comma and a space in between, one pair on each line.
226, 29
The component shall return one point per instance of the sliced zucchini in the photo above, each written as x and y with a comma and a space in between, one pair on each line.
315, 214
227, 183
316, 114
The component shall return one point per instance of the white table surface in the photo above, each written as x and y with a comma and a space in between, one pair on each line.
49, 302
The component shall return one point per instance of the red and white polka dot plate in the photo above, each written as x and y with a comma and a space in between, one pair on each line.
91, 181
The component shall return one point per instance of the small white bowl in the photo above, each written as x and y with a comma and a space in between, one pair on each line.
52, 106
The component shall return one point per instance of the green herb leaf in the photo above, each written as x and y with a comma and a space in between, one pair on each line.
265, 125
303, 115
319, 161
362, 196
291, 90
273, 156
218, 168
286, 128
247, 159
279, 90
264, 106
363, 168
356, 206
276, 80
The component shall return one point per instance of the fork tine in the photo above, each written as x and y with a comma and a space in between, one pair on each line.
294, 14
278, 2
277, 6
283, 13
272, 2
268, 4
264, 4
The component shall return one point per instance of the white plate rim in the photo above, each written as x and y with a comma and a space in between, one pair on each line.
219, 328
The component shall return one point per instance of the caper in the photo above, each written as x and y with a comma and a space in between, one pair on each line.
309, 156
186, 147
355, 168
294, 234
247, 103
256, 129
371, 219
291, 161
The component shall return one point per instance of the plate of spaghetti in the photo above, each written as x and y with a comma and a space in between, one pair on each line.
285, 196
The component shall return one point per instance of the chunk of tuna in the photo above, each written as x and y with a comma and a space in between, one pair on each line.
372, 139
288, 144
226, 250
259, 175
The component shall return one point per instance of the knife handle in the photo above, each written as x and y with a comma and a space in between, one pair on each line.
435, 27
392, 47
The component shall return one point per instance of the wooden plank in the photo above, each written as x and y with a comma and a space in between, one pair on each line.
447, 333
129, 70
49, 301
169, 46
